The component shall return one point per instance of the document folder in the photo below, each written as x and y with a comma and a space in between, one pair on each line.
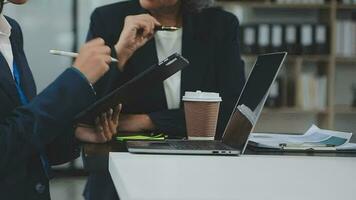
132, 89
313, 140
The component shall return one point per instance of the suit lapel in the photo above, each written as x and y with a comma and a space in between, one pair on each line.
7, 83
143, 58
27, 82
193, 48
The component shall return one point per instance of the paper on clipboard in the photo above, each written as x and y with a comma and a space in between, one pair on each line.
313, 137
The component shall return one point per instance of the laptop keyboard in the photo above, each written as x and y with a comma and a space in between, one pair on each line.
198, 145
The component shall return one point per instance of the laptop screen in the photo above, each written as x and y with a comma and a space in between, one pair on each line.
252, 100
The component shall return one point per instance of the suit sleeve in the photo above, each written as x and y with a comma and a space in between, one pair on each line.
171, 122
26, 130
64, 148
230, 73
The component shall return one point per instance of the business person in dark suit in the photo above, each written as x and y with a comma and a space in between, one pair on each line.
29, 124
208, 38
26, 130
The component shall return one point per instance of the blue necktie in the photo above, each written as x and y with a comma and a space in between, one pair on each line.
17, 78
24, 100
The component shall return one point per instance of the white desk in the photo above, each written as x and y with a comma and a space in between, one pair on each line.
248, 177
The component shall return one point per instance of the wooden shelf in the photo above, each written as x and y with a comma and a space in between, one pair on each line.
346, 60
314, 58
270, 5
339, 109
347, 7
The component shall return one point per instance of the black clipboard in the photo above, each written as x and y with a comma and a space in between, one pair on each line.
252, 146
132, 89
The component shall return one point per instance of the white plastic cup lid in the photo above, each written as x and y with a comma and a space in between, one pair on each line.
202, 96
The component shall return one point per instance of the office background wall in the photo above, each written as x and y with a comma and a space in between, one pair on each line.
47, 24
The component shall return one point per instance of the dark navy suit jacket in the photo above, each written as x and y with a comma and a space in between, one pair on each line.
42, 124
210, 43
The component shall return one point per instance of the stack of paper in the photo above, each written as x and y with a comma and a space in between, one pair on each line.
313, 138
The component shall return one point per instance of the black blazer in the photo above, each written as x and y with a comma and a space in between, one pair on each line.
210, 43
21, 172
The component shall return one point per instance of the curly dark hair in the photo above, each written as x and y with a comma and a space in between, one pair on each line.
189, 6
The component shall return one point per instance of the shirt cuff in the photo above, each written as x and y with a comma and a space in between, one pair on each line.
85, 78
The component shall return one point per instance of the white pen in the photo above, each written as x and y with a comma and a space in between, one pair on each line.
71, 54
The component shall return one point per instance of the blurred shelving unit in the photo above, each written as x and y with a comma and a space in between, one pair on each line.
329, 63
346, 60
341, 109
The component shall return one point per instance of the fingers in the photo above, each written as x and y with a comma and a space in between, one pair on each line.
111, 123
96, 46
105, 125
156, 23
95, 42
93, 59
138, 29
97, 50
149, 26
100, 130
84, 125
107, 59
113, 119
102, 49
98, 126
144, 24
116, 114
151, 19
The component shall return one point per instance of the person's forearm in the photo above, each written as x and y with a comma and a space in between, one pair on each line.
136, 123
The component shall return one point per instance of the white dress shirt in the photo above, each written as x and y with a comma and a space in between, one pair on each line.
168, 43
5, 44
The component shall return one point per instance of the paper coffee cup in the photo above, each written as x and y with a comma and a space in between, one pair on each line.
201, 114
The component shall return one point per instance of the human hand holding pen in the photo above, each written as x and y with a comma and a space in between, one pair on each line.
138, 29
93, 59
106, 127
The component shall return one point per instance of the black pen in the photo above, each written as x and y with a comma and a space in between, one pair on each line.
166, 28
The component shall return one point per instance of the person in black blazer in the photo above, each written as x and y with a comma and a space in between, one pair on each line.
209, 41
